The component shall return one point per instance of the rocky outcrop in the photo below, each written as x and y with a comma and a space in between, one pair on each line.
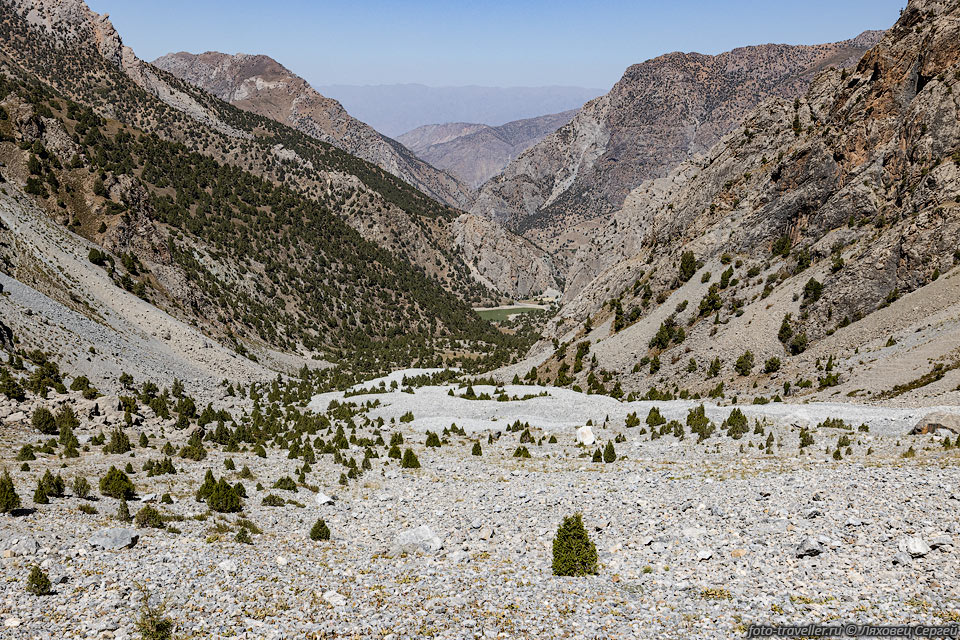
474, 153
660, 113
825, 209
75, 17
502, 260
263, 86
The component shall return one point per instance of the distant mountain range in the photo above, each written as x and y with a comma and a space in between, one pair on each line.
395, 109
474, 153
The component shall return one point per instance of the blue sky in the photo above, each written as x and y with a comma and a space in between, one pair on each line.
518, 43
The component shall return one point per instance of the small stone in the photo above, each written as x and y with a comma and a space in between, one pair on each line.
323, 499
281, 561
901, 558
459, 556
585, 436
738, 553
114, 538
334, 599
12, 622
419, 540
915, 546
941, 541
228, 566
704, 554
809, 548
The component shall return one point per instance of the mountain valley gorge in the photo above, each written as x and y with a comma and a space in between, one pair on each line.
675, 363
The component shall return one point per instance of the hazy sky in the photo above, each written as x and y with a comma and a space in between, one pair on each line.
443, 42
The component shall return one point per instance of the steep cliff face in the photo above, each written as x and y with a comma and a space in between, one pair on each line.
502, 260
822, 227
660, 113
263, 86
477, 152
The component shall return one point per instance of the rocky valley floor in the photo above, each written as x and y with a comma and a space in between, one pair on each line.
694, 539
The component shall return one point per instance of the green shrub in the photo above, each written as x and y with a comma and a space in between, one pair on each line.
320, 530
148, 517
573, 552
744, 364
224, 498
476, 451
116, 484
409, 460
736, 424
609, 454
119, 442
26, 453
655, 418
44, 422
9, 500
286, 483
433, 440
52, 485
38, 582
243, 536
153, 623
272, 500
772, 365
67, 419
521, 452
81, 487
688, 266
123, 511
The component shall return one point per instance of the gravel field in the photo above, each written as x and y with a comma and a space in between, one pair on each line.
694, 540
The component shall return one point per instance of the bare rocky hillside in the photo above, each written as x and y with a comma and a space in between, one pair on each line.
813, 250
660, 113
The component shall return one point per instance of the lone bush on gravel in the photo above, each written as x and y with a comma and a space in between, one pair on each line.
320, 530
116, 484
38, 583
574, 554
9, 500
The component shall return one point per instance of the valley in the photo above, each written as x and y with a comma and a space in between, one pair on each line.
680, 361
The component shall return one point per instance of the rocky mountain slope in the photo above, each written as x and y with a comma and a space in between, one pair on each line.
262, 237
813, 250
660, 113
261, 85
474, 153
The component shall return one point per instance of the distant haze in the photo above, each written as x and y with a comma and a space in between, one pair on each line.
397, 108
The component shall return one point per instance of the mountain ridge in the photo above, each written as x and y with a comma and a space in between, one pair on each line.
477, 152
264, 86
658, 114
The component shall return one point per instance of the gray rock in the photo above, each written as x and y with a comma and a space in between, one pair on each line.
459, 556
809, 548
323, 499
915, 546
21, 545
902, 558
941, 541
114, 538
419, 540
